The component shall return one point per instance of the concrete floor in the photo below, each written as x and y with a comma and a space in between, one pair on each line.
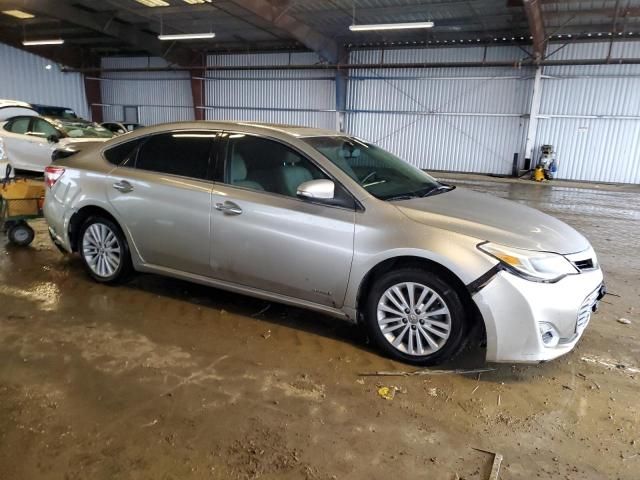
162, 379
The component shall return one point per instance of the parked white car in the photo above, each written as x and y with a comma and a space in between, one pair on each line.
13, 108
27, 141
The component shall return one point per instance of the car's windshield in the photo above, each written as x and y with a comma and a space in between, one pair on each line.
83, 130
58, 112
379, 172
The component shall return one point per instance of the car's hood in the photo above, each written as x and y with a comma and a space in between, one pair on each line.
491, 218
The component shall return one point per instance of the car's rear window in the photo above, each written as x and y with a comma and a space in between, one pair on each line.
122, 153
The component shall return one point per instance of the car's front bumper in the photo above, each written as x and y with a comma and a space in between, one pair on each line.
514, 308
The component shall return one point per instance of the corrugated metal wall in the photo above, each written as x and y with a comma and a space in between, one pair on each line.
459, 119
462, 119
299, 97
591, 113
24, 76
160, 96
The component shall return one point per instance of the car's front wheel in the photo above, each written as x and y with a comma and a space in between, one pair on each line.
415, 316
104, 250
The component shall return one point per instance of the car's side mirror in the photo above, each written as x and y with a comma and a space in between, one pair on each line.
53, 138
317, 190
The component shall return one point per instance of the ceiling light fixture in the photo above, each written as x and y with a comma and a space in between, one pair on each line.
390, 26
53, 41
153, 3
18, 14
197, 2
187, 36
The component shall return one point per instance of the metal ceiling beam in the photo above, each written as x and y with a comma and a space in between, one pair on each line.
370, 66
278, 17
112, 28
533, 9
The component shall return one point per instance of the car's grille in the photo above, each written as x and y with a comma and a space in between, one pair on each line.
584, 313
586, 264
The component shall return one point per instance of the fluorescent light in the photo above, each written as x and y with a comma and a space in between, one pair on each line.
197, 2
153, 3
18, 14
53, 41
390, 26
187, 36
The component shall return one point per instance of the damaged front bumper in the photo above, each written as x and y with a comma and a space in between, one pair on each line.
533, 322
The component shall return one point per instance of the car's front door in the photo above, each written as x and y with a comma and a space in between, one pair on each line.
162, 195
264, 237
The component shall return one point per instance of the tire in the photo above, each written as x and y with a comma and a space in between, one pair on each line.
21, 234
104, 251
433, 332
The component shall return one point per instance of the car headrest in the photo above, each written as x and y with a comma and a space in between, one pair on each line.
238, 168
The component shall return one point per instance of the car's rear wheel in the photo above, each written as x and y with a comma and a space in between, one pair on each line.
104, 250
416, 317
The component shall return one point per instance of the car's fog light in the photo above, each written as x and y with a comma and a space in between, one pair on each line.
548, 334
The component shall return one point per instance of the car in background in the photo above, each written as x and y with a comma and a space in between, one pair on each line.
55, 112
13, 108
327, 222
27, 142
121, 128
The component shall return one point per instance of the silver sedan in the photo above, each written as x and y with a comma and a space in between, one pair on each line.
328, 222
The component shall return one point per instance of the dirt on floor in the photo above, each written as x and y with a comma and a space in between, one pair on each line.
162, 379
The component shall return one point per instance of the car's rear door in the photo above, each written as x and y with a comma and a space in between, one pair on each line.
162, 195
264, 237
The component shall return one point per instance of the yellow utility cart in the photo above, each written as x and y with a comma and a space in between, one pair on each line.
20, 200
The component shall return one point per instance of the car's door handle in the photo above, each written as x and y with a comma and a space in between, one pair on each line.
123, 186
228, 208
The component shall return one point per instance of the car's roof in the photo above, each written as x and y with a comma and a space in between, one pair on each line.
13, 103
293, 130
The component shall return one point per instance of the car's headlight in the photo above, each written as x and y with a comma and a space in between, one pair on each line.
532, 265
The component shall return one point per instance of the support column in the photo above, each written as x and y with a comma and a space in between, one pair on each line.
197, 92
342, 79
341, 99
534, 112
93, 93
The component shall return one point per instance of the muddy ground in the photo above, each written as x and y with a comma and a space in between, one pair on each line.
162, 379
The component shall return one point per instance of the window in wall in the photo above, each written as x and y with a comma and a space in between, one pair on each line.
130, 114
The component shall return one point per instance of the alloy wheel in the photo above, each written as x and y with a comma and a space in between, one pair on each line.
101, 250
414, 319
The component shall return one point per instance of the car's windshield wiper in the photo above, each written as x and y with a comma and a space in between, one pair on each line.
425, 192
402, 196
437, 190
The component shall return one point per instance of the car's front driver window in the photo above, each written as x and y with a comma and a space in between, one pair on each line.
266, 165
44, 129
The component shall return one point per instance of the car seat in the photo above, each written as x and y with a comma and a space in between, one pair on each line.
292, 174
239, 173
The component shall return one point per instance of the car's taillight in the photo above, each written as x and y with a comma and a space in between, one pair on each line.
52, 175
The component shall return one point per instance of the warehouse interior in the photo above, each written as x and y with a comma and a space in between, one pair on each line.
163, 378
